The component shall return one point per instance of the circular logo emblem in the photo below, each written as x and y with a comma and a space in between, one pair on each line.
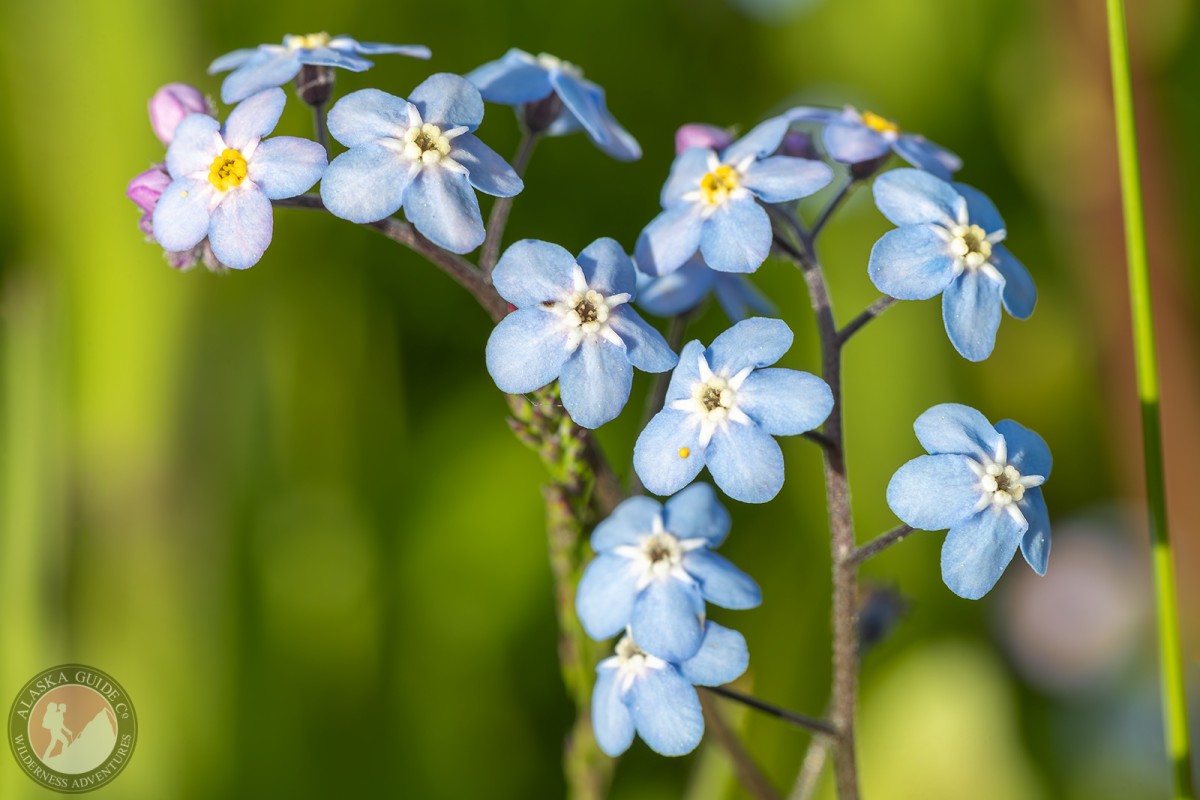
72, 728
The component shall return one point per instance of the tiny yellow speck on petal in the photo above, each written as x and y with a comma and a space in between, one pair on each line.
684, 452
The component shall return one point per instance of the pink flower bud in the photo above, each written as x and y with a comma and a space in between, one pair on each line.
144, 191
171, 104
697, 134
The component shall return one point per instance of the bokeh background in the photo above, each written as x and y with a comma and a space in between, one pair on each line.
283, 509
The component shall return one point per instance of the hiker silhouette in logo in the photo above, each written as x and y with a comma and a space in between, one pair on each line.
53, 722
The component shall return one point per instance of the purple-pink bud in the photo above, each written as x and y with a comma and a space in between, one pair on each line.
144, 191
697, 134
171, 104
799, 145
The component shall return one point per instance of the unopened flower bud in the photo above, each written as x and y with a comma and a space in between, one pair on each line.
540, 114
799, 145
144, 191
314, 84
697, 134
863, 170
171, 104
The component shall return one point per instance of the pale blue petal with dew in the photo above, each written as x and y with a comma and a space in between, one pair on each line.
686, 373
605, 596
912, 263
977, 550
686, 172
241, 225
181, 217
607, 267
379, 48
666, 712
737, 237
526, 350
933, 493
285, 166
264, 70
746, 463
631, 521
722, 657
645, 347
595, 382
532, 272
756, 342
696, 513
443, 207
448, 101
580, 103
366, 183
511, 80
667, 455
254, 118
785, 402
611, 720
366, 116
971, 312
666, 618
721, 583
489, 172
1020, 293
670, 239
955, 428
779, 179
1035, 544
197, 142
331, 57
1027, 451
914, 197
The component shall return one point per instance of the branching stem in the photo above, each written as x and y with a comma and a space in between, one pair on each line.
498, 218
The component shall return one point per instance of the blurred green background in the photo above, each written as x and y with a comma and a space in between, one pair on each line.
283, 509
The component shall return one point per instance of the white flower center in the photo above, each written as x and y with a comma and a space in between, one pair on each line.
1001, 485
970, 243
586, 312
714, 401
659, 555
632, 661
425, 144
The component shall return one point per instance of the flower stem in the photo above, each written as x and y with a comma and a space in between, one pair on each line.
872, 311
1174, 693
749, 774
881, 543
498, 218
811, 724
320, 126
842, 193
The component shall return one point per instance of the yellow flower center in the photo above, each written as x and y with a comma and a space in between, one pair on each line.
716, 186
310, 42
879, 124
228, 170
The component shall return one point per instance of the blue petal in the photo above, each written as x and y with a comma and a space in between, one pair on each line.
380, 49
181, 217
448, 101
737, 237
526, 350
367, 183
666, 619
595, 382
610, 716
785, 402
329, 57
442, 206
197, 142
366, 116
686, 373
666, 712
955, 428
911, 263
762, 140
746, 463
686, 172
721, 583
658, 454
1035, 544
264, 70
678, 291
913, 197
971, 311
1027, 451
738, 297
756, 342
231, 60
619, 143
981, 210
851, 142
782, 178
241, 228
932, 493
532, 272
926, 155
812, 114
722, 657
977, 550
645, 347
1020, 295
630, 522
607, 268
604, 599
489, 172
580, 102
696, 513
512, 80
285, 166
254, 118
670, 239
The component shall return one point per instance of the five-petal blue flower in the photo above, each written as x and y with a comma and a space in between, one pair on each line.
655, 568
224, 179
981, 482
711, 202
855, 138
572, 322
270, 65
722, 410
636, 691
948, 242
686, 288
519, 78
419, 154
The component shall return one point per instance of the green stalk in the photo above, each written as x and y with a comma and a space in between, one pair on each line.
1174, 693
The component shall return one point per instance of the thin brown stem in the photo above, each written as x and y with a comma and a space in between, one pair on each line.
498, 218
810, 769
872, 311
827, 212
880, 543
803, 721
748, 772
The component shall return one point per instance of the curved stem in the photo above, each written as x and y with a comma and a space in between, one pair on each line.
827, 212
872, 311
748, 772
320, 126
498, 218
1174, 690
880, 543
811, 724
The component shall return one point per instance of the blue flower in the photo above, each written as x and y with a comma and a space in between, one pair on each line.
519, 79
722, 410
417, 154
268, 65
636, 691
948, 242
981, 482
711, 202
572, 322
863, 138
224, 179
654, 569
686, 288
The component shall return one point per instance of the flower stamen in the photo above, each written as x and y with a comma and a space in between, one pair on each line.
716, 186
228, 170
970, 244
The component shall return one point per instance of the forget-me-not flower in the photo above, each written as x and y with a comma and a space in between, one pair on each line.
419, 154
224, 179
854, 138
981, 482
686, 288
520, 78
270, 65
948, 242
722, 410
572, 322
636, 691
654, 569
711, 202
